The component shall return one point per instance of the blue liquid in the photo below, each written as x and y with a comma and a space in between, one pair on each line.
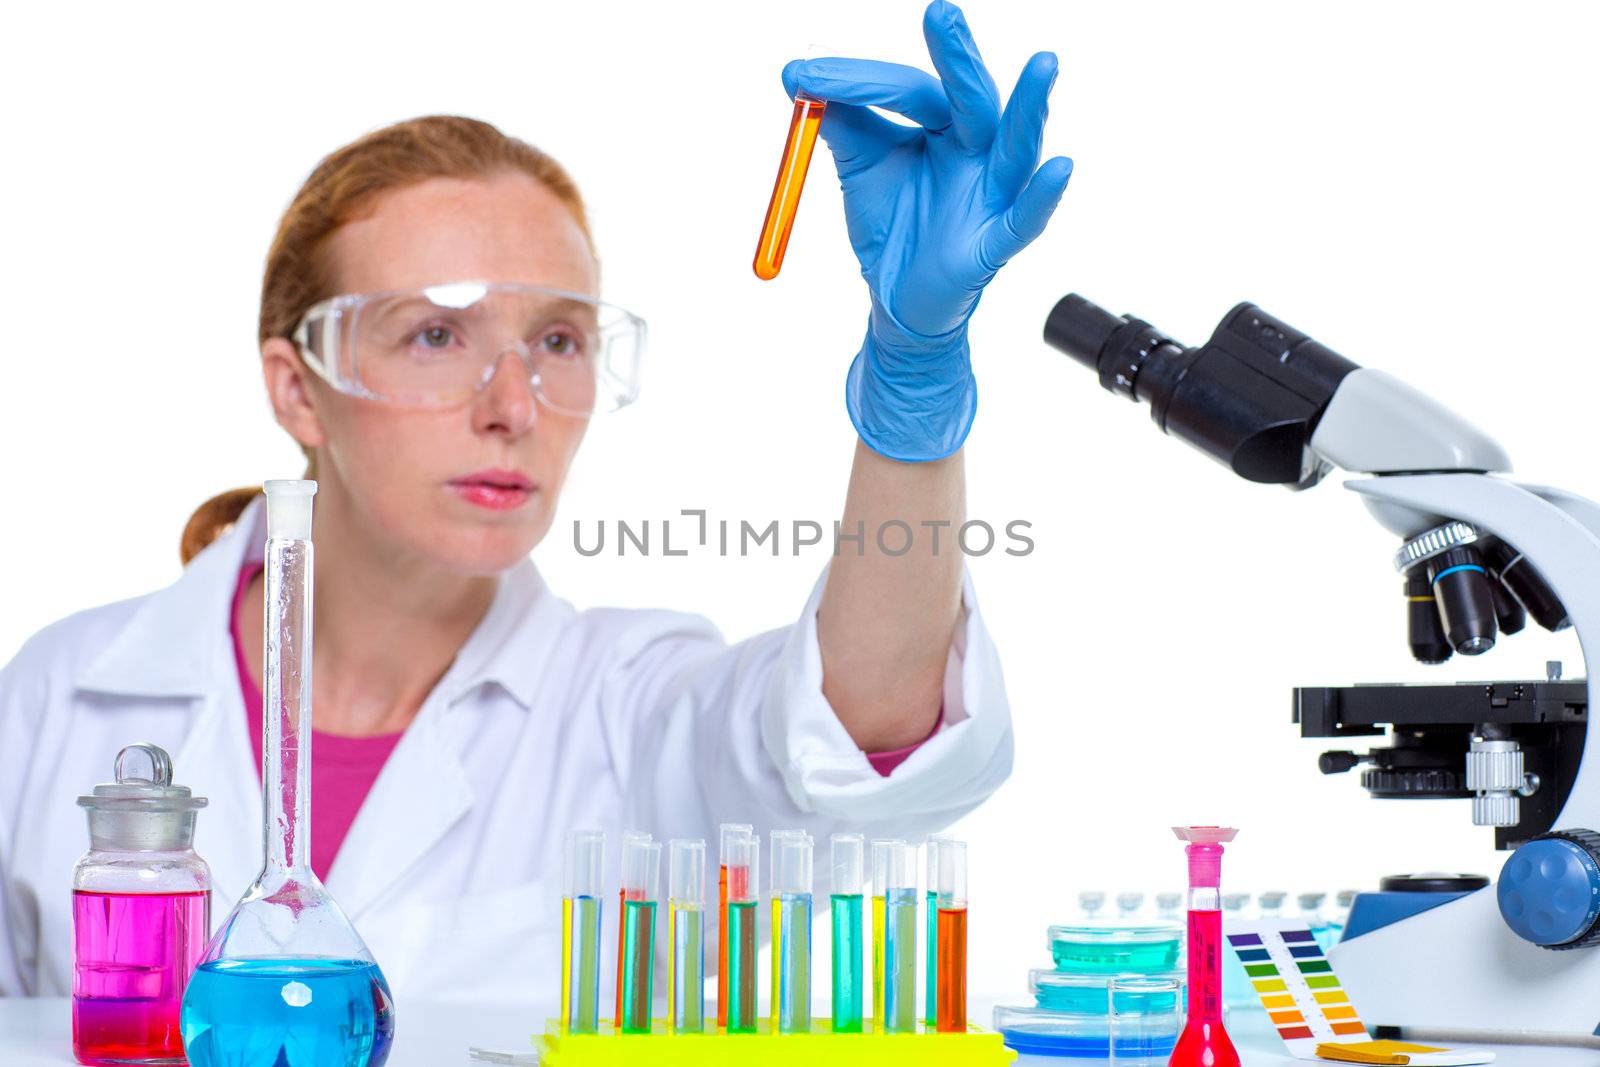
1086, 1046
287, 1013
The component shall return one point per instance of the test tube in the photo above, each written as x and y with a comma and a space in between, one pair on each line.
791, 931
931, 963
741, 854
803, 126
951, 881
880, 878
580, 932
630, 837
686, 959
899, 939
848, 874
729, 879
641, 869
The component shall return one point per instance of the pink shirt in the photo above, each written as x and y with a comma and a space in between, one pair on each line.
344, 768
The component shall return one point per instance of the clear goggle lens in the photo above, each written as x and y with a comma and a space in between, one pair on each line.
437, 346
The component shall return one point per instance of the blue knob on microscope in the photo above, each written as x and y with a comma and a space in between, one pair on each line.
1549, 890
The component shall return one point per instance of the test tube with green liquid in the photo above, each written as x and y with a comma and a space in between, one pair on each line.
641, 870
848, 867
930, 1005
742, 853
686, 954
580, 932
791, 931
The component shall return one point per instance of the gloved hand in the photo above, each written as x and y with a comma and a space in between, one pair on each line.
933, 211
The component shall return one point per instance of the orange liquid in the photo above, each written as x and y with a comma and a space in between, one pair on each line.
786, 190
622, 909
951, 1012
738, 880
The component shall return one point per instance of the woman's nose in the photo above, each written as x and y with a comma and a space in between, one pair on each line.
506, 403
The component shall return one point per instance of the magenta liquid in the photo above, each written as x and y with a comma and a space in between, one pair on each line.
133, 954
1204, 1043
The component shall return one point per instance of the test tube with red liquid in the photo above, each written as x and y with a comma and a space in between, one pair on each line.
803, 126
733, 880
1204, 1042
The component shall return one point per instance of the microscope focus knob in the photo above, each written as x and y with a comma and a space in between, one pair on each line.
1549, 890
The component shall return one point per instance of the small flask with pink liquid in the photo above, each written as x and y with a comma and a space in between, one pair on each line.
141, 914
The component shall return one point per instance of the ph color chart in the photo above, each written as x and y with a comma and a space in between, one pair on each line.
1296, 984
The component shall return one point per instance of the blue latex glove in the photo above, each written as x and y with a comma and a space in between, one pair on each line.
933, 212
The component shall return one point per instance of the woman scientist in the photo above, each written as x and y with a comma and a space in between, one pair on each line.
431, 337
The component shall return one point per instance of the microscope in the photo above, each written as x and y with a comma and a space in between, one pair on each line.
1478, 555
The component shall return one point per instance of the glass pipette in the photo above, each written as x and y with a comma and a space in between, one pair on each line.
791, 931
641, 869
686, 957
848, 874
1204, 1042
951, 897
797, 148
729, 879
580, 932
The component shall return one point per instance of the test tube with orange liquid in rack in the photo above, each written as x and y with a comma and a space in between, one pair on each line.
950, 898
797, 149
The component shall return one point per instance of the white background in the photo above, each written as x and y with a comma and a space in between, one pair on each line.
1412, 185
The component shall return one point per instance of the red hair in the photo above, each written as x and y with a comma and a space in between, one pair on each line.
343, 187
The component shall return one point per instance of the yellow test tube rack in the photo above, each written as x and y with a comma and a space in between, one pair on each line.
716, 1048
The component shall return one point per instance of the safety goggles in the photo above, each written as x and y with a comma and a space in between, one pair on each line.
438, 345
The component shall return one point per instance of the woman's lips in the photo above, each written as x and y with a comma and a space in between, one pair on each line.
494, 490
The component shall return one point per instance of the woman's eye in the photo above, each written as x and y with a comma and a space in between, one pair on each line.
435, 336
562, 343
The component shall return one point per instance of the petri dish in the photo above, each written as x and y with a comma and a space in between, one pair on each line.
1086, 993
1040, 1032
1111, 948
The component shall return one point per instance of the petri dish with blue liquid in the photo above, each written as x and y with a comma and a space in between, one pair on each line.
1111, 948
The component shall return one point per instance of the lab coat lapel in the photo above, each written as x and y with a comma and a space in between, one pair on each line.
420, 794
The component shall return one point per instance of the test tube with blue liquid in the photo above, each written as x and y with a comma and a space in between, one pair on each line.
686, 956
641, 869
898, 887
741, 854
580, 932
791, 854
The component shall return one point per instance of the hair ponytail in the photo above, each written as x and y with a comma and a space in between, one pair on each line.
213, 517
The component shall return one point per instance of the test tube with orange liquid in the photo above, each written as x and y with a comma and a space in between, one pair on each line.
786, 190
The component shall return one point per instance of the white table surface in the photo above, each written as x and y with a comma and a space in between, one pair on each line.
38, 1033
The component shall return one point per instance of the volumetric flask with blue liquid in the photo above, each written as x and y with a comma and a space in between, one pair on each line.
287, 981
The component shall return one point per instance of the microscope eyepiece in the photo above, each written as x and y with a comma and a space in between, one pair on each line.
1249, 397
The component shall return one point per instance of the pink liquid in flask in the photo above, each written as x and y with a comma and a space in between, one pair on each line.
1204, 1042
133, 954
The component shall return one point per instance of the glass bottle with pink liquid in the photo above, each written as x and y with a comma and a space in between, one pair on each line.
1204, 1042
141, 914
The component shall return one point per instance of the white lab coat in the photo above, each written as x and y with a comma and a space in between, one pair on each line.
549, 719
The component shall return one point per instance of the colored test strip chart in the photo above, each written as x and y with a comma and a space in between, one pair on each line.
1296, 984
